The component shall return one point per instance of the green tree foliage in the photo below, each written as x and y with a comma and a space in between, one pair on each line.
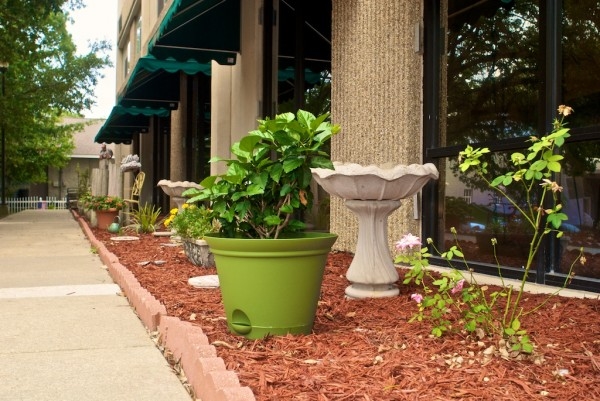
46, 80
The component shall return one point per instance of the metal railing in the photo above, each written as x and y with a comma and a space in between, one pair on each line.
34, 202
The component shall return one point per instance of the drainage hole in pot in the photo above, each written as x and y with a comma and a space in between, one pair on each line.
240, 322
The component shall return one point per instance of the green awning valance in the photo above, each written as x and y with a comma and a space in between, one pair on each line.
199, 30
124, 122
155, 83
290, 74
151, 91
191, 67
139, 111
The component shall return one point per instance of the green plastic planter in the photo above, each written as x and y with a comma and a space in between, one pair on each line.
271, 286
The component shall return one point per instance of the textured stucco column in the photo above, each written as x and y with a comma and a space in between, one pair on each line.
376, 98
178, 128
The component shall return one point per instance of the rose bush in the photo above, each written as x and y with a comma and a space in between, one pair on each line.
453, 301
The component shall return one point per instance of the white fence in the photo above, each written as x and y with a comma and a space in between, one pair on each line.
33, 202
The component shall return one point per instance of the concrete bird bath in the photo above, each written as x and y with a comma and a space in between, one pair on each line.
174, 189
373, 193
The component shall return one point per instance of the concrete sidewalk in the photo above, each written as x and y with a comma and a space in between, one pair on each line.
66, 332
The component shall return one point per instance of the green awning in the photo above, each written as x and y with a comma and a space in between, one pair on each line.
155, 83
290, 74
199, 30
151, 91
124, 122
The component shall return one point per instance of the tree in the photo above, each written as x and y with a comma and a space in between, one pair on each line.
46, 80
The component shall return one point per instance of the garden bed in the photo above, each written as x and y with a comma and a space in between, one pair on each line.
367, 350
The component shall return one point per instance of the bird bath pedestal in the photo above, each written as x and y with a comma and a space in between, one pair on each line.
175, 189
373, 193
372, 272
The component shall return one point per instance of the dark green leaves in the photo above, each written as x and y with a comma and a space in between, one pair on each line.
269, 178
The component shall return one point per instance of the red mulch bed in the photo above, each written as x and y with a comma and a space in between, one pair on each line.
367, 350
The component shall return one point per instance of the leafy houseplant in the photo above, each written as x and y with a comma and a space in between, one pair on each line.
84, 199
270, 271
540, 216
106, 208
269, 180
104, 202
144, 218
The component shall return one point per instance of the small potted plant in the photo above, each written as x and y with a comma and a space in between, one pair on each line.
192, 223
269, 269
83, 201
106, 208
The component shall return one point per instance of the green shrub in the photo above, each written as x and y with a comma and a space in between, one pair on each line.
192, 222
145, 218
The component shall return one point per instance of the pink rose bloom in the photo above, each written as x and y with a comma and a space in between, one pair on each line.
407, 242
458, 287
418, 298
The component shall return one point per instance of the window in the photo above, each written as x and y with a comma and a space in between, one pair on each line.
126, 59
495, 79
138, 37
468, 195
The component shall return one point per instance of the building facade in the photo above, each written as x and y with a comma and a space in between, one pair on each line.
409, 81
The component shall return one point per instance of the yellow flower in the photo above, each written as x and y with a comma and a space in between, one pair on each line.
186, 205
173, 211
565, 110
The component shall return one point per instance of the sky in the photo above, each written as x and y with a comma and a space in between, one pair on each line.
98, 21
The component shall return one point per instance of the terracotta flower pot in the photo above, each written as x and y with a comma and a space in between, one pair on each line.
106, 217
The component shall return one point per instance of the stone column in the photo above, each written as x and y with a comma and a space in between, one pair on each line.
237, 90
178, 132
376, 98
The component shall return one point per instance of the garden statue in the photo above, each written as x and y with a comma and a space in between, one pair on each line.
105, 153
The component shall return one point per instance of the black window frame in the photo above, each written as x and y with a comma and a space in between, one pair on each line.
550, 25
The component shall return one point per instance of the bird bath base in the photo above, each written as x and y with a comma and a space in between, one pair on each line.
360, 291
372, 272
179, 201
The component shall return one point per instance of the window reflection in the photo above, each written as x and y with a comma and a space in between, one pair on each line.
581, 202
581, 58
492, 70
493, 79
479, 215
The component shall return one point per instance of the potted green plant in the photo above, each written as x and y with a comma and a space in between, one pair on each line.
270, 270
192, 223
106, 208
82, 203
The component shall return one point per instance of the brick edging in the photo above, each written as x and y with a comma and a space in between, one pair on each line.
204, 370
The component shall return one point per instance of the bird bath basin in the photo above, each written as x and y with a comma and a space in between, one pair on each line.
175, 189
373, 193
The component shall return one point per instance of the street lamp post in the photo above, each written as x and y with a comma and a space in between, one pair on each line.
3, 206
